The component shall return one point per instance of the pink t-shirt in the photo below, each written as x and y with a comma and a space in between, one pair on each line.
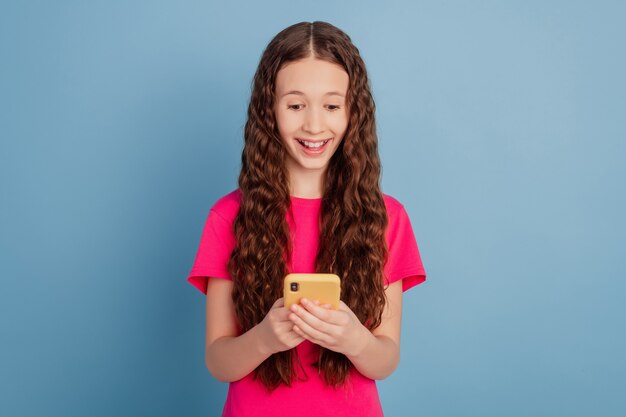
248, 398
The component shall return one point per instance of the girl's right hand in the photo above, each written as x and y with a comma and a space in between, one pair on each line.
276, 330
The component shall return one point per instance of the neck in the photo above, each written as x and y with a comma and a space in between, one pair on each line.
306, 183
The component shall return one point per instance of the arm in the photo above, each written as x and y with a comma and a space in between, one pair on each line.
230, 357
375, 354
380, 353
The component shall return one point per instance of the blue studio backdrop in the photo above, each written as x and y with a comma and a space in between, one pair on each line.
502, 131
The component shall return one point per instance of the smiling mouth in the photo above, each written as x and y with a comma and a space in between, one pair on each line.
313, 144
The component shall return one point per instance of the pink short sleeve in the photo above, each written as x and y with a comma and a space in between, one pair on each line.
216, 245
404, 262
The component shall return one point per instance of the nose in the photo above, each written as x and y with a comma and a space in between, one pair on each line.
313, 122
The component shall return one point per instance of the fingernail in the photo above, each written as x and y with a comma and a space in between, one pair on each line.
305, 301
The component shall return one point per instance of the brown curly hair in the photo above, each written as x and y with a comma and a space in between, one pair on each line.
353, 217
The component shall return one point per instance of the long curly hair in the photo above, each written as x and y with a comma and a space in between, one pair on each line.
353, 217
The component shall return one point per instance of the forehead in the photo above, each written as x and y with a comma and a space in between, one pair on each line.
311, 77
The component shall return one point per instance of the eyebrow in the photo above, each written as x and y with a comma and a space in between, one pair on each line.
300, 93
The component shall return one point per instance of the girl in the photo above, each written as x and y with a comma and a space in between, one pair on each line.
308, 200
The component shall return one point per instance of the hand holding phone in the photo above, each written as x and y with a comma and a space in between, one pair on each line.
276, 330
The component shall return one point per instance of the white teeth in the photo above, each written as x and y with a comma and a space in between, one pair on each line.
314, 145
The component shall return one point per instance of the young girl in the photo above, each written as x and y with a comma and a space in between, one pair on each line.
308, 200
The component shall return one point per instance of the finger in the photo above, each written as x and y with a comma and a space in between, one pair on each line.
286, 327
318, 303
324, 314
297, 338
305, 335
311, 325
283, 314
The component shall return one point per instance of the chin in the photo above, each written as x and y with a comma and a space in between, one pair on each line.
314, 164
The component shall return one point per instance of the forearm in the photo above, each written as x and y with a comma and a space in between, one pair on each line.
232, 358
378, 359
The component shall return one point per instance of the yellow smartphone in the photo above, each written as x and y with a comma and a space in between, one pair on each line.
323, 287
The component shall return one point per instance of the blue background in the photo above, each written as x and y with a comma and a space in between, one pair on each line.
501, 129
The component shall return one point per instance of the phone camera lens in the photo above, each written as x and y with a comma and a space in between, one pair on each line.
294, 286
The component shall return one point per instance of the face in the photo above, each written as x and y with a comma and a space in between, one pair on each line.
311, 112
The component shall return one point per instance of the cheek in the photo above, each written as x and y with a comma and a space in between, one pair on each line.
339, 126
285, 123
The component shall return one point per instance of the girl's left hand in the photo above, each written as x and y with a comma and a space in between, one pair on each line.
338, 330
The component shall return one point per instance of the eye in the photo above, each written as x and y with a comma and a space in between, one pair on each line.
333, 107
291, 106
